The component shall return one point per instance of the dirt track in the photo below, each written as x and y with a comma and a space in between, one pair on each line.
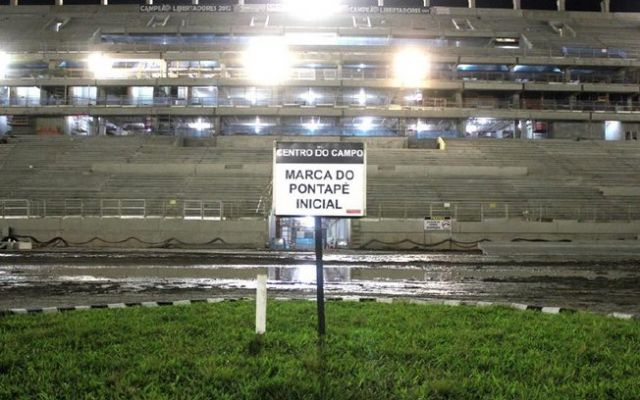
45, 279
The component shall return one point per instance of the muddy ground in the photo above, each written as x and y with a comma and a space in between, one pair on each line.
68, 278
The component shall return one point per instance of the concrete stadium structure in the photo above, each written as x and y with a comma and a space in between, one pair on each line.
142, 122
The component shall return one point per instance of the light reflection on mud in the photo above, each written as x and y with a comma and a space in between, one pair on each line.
48, 279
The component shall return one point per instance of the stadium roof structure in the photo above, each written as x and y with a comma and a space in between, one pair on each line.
182, 67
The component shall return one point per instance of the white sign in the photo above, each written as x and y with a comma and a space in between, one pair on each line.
319, 179
437, 224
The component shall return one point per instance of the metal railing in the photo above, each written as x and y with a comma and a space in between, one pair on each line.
216, 210
533, 211
15, 208
205, 210
331, 101
123, 208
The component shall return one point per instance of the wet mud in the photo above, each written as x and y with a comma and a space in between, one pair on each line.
47, 279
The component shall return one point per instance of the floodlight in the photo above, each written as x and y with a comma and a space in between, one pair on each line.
410, 67
361, 97
4, 64
267, 61
310, 96
100, 65
312, 9
365, 124
200, 125
313, 125
253, 97
258, 125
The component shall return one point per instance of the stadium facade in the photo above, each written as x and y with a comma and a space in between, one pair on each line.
179, 70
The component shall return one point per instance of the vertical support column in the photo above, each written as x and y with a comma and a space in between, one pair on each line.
573, 99
380, 3
14, 2
458, 99
104, 2
517, 132
517, 4
217, 125
195, 2
426, 3
402, 127
562, 5
59, 2
472, 3
567, 74
149, 2
461, 126
100, 127
515, 100
605, 6
101, 96
240, 2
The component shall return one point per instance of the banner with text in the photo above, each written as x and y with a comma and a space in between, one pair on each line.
326, 179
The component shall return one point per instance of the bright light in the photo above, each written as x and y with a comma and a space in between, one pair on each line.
199, 125
312, 9
258, 125
361, 97
312, 125
4, 64
100, 65
310, 96
365, 124
410, 67
417, 96
253, 96
421, 126
267, 61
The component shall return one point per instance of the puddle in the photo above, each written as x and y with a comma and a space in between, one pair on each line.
49, 279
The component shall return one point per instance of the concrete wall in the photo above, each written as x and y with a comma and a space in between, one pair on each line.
399, 233
250, 233
575, 130
253, 233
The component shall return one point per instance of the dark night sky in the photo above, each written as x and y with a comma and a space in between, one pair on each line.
572, 5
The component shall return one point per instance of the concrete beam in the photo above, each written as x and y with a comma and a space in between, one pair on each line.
562, 5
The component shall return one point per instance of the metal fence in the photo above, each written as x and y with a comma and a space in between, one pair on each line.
205, 210
534, 211
216, 210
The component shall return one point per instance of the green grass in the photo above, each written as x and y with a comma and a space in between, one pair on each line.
371, 351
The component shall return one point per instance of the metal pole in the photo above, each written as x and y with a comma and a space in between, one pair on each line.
319, 277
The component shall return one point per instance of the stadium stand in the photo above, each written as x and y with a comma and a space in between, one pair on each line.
152, 112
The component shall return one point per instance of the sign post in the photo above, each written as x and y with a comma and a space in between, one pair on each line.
319, 179
319, 277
